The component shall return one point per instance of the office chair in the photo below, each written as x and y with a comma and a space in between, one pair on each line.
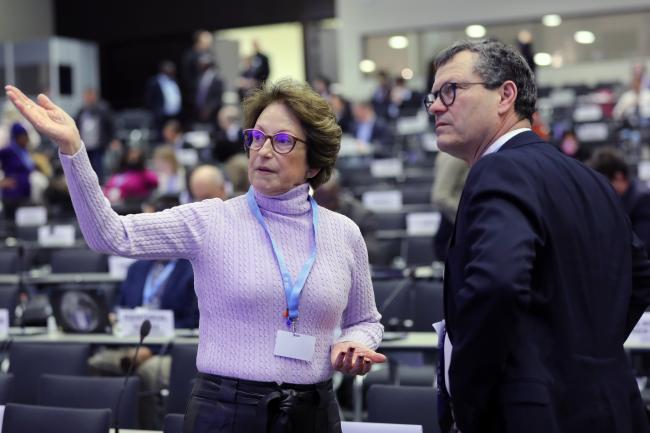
19, 418
29, 361
9, 300
6, 387
404, 405
87, 392
419, 251
76, 260
181, 377
429, 304
173, 423
8, 261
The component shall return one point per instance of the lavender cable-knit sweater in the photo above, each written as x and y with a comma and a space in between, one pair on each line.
236, 276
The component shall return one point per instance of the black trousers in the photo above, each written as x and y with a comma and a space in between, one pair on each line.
228, 405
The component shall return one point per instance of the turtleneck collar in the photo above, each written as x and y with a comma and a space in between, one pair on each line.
293, 202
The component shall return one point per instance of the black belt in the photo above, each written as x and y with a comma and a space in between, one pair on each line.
272, 399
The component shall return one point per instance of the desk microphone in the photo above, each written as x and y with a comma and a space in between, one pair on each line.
145, 329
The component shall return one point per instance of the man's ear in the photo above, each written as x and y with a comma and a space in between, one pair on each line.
508, 95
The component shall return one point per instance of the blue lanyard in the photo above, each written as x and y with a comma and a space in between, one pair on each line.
291, 290
151, 287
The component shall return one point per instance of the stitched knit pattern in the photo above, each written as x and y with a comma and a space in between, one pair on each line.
236, 276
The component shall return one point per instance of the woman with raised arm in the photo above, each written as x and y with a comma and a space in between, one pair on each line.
284, 287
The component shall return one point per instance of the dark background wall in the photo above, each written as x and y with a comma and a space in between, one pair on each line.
135, 35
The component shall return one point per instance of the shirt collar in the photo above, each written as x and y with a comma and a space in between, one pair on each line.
494, 147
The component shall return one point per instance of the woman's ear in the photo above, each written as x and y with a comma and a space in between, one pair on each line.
312, 172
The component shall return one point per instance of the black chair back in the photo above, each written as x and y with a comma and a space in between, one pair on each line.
429, 305
29, 361
181, 377
404, 405
9, 300
173, 423
19, 418
75, 260
6, 387
86, 392
8, 261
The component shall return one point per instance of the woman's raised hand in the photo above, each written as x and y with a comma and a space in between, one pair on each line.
48, 119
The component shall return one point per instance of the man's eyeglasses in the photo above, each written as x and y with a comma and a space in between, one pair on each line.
447, 94
281, 142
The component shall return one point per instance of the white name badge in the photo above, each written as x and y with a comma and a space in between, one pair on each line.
130, 321
295, 346
4, 323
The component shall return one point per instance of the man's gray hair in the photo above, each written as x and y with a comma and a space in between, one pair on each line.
496, 64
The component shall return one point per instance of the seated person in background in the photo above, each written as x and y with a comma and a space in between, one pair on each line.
17, 164
133, 180
227, 139
634, 194
169, 171
634, 104
172, 135
450, 174
206, 181
342, 111
570, 146
368, 128
152, 284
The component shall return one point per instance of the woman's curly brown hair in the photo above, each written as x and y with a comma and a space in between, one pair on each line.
323, 134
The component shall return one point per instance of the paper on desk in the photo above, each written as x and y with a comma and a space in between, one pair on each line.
447, 347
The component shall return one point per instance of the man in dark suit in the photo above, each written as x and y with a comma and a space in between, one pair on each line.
172, 289
544, 278
163, 96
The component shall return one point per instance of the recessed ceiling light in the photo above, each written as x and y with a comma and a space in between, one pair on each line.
551, 20
584, 37
543, 59
407, 73
475, 31
367, 66
398, 42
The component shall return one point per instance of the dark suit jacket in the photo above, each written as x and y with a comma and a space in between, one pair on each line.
178, 293
543, 283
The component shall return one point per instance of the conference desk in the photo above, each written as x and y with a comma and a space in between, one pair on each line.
54, 278
393, 341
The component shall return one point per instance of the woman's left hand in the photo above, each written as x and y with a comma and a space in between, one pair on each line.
354, 358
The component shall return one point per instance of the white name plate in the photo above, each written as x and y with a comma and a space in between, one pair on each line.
130, 321
388, 167
56, 235
422, 223
641, 332
187, 157
31, 216
644, 170
382, 201
4, 323
119, 266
